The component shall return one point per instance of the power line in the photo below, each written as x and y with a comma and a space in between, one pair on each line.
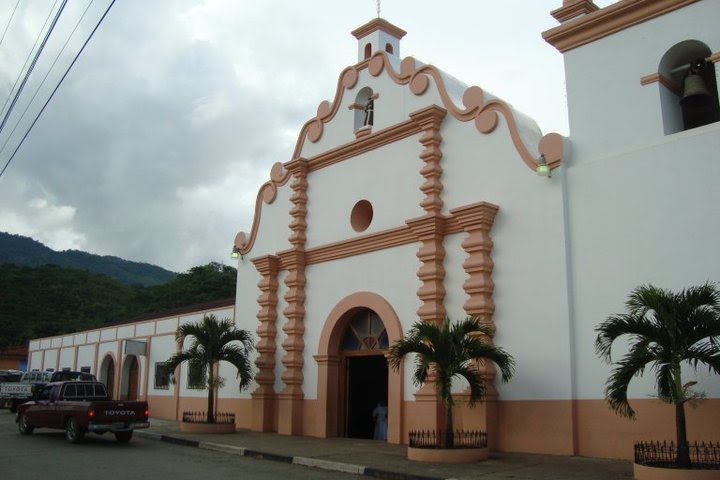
32, 65
56, 88
42, 82
27, 59
9, 21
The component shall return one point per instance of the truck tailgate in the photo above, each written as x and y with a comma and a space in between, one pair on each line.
115, 412
10, 389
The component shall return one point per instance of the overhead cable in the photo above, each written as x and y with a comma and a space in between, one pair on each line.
27, 59
9, 22
42, 82
32, 65
56, 88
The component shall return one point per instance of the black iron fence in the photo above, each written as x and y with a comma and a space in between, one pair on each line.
664, 454
201, 417
461, 439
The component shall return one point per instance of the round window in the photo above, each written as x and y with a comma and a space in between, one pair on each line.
361, 216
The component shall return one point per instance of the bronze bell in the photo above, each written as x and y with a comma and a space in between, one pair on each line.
695, 92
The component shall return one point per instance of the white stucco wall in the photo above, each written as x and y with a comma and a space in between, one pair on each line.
126, 331
86, 357
642, 205
67, 358
388, 178
35, 358
50, 360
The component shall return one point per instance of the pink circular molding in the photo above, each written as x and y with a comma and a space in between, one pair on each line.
407, 66
486, 121
361, 216
315, 131
419, 84
350, 78
324, 109
376, 65
473, 97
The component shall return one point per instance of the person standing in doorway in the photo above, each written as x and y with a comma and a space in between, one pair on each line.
380, 418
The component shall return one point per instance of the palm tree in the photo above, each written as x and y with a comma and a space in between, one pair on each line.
213, 341
666, 330
452, 349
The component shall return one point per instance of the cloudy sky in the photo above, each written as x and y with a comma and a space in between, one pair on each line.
154, 146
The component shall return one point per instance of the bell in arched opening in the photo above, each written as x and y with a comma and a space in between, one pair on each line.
695, 91
699, 104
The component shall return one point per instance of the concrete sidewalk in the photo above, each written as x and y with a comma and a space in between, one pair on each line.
382, 460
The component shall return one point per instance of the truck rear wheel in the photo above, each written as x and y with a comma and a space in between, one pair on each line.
24, 426
73, 432
123, 437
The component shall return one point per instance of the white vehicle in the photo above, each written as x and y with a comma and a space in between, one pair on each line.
13, 394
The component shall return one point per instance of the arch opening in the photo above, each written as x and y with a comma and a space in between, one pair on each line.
364, 113
694, 102
363, 349
368, 51
107, 375
353, 374
130, 381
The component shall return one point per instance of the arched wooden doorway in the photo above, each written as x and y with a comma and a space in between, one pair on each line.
341, 353
130, 379
363, 349
107, 375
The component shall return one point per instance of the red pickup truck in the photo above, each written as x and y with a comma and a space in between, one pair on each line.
79, 407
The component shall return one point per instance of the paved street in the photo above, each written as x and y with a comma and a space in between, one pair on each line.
163, 451
46, 454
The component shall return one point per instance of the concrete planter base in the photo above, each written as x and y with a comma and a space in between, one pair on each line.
442, 455
187, 427
644, 472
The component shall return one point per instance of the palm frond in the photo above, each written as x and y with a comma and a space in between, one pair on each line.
664, 329
475, 381
451, 350
211, 341
619, 380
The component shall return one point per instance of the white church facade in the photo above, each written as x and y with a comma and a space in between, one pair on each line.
411, 197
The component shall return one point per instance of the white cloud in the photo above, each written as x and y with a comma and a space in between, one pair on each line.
47, 223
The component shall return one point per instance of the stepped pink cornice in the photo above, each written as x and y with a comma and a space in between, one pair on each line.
600, 23
417, 78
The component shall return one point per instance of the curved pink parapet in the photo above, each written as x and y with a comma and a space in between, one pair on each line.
267, 193
474, 108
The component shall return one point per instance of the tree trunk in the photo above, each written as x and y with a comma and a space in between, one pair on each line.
448, 440
683, 455
211, 395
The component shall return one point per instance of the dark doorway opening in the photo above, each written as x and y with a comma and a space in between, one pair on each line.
110, 376
133, 374
367, 382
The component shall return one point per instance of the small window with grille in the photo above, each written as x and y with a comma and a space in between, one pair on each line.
162, 376
196, 376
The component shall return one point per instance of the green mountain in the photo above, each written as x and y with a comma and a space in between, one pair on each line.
50, 300
24, 251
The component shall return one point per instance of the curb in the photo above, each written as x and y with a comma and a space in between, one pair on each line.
303, 461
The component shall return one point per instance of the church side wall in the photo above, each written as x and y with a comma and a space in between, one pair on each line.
90, 348
641, 207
